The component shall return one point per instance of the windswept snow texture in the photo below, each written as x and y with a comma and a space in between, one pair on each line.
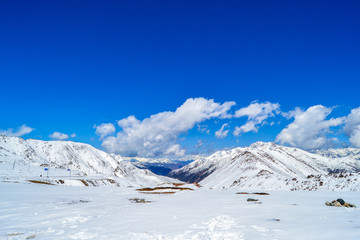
27, 159
271, 166
30, 211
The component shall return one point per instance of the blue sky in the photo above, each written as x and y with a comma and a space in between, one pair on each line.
66, 66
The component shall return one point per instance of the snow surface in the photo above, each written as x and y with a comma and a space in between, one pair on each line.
34, 211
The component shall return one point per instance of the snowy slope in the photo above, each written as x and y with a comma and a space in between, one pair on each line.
43, 212
271, 166
29, 158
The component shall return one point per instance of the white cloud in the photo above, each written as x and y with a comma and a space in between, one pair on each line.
221, 133
309, 128
355, 137
59, 136
199, 144
175, 150
158, 134
203, 128
352, 127
21, 131
105, 129
256, 114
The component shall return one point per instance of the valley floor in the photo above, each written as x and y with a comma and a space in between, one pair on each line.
34, 211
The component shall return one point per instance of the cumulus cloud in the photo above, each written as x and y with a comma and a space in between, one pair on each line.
21, 131
256, 114
61, 136
158, 134
309, 128
105, 129
352, 127
222, 133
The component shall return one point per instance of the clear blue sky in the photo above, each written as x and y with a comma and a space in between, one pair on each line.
67, 65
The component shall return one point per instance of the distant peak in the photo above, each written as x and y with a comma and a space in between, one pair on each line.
263, 145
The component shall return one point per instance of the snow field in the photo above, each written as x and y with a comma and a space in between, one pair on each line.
34, 211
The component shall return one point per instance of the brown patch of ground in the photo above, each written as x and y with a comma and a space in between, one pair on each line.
40, 182
178, 184
163, 188
84, 182
158, 192
256, 193
91, 182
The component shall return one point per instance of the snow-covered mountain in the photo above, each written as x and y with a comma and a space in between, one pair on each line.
29, 159
271, 166
345, 153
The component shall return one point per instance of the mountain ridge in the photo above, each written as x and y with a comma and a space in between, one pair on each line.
29, 158
268, 166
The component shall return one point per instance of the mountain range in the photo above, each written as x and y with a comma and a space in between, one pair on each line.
262, 165
69, 161
271, 166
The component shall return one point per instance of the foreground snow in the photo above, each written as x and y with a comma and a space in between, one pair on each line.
33, 211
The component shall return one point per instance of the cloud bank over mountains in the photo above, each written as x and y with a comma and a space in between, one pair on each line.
165, 133
160, 133
309, 128
352, 127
